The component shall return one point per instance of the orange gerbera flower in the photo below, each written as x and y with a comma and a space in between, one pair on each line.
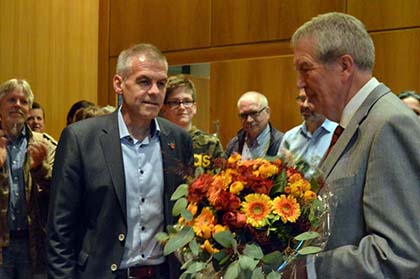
287, 208
257, 208
204, 223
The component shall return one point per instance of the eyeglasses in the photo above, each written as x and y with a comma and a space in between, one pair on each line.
253, 114
175, 104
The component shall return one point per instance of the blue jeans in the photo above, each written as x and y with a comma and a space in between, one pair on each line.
16, 261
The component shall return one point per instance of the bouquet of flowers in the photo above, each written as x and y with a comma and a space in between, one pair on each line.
246, 219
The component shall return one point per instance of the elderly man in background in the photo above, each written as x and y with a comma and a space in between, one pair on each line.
26, 162
373, 168
257, 138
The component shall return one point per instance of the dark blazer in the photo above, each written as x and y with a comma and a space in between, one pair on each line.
87, 219
374, 173
236, 144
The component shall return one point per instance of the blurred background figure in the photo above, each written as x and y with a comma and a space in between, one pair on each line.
36, 118
36, 121
89, 112
76, 106
310, 140
180, 107
412, 100
257, 138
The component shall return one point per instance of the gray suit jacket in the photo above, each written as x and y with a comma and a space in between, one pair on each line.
374, 173
88, 215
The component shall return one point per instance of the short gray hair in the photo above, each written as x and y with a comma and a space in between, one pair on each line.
335, 34
13, 84
124, 63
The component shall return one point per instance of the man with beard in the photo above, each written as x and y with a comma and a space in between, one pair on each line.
26, 161
257, 138
310, 140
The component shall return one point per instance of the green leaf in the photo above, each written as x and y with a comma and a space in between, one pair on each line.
232, 271
196, 267
307, 236
253, 251
257, 274
181, 191
274, 275
179, 240
179, 206
224, 238
274, 259
162, 237
187, 215
279, 183
309, 250
194, 247
199, 171
246, 262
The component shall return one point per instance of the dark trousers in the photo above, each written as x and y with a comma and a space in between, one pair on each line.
16, 261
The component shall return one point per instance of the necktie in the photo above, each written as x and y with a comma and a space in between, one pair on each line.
337, 133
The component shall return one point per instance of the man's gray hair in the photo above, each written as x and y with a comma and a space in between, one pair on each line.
13, 84
125, 59
335, 34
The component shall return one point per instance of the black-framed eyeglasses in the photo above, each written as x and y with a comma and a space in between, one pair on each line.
185, 103
253, 114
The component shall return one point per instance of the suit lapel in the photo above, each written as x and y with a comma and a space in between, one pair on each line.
111, 148
352, 129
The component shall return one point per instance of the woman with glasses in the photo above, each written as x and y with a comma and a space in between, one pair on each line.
180, 107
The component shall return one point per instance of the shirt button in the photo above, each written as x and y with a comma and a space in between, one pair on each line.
142, 200
142, 255
143, 228
114, 267
121, 237
141, 171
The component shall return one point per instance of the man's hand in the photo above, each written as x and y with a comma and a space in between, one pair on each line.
38, 153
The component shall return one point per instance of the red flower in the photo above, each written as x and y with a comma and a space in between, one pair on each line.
227, 202
234, 219
199, 187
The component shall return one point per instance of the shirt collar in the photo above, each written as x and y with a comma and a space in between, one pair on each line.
354, 104
123, 130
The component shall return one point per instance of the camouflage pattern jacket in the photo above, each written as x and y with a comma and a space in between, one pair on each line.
206, 148
37, 183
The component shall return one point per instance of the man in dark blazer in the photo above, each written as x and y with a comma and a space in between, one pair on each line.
373, 170
113, 180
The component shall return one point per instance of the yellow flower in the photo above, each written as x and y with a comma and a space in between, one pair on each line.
309, 196
236, 187
204, 223
297, 185
268, 170
209, 248
287, 208
219, 228
235, 157
257, 208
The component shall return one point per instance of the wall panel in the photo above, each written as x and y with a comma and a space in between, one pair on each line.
181, 24
397, 59
385, 14
245, 21
52, 44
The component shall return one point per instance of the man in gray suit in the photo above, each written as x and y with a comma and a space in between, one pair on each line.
374, 168
113, 179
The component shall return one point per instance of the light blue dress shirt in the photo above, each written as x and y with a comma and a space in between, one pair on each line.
16, 153
143, 170
309, 147
259, 147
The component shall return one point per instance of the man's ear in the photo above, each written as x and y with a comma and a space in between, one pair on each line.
346, 63
117, 83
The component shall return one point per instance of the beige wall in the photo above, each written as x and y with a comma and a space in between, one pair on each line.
54, 45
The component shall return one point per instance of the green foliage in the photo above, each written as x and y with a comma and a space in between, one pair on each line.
307, 236
181, 191
309, 250
224, 238
179, 240
179, 206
